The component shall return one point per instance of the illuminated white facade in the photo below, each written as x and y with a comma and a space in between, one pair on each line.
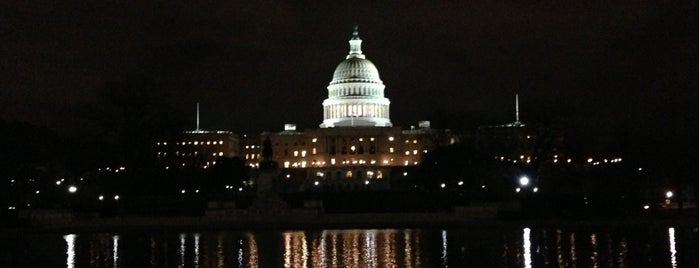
356, 93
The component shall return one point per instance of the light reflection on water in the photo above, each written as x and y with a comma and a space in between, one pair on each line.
673, 249
70, 250
527, 247
513, 247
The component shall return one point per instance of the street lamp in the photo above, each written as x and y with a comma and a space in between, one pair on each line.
524, 181
669, 194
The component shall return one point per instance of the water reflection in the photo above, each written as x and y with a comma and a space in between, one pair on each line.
353, 248
444, 248
70, 251
115, 251
595, 255
535, 248
673, 250
527, 244
516, 247
182, 250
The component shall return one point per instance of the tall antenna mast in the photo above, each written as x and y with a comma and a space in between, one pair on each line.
198, 116
516, 108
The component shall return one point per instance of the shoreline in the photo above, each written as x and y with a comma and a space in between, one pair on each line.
327, 221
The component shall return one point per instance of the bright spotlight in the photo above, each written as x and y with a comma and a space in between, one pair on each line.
524, 181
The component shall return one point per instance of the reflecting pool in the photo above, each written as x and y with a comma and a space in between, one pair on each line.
478, 247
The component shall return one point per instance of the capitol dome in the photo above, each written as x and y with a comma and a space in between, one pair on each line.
356, 70
356, 92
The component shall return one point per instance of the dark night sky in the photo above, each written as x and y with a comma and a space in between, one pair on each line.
627, 71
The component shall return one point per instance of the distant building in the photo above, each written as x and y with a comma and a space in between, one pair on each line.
519, 143
197, 148
356, 145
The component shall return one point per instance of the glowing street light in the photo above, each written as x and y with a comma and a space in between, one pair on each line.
72, 189
669, 194
524, 181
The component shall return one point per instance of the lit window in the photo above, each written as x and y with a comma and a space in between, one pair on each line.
407, 141
303, 164
247, 156
379, 175
348, 174
247, 146
208, 143
314, 139
164, 143
332, 161
407, 152
286, 164
370, 174
390, 150
414, 152
196, 143
303, 153
414, 141
353, 148
390, 138
296, 153
361, 139
314, 150
371, 139
220, 142
158, 143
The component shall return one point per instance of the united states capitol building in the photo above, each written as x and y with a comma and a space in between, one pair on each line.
356, 144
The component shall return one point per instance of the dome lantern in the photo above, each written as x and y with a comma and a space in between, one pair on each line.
355, 45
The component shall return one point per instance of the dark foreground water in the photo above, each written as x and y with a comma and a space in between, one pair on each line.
480, 247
